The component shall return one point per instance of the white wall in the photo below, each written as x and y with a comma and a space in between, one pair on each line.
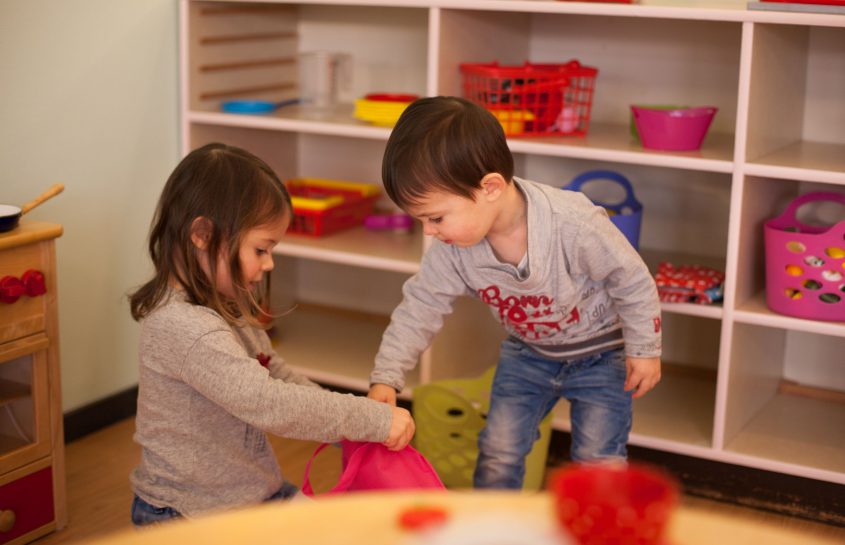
88, 97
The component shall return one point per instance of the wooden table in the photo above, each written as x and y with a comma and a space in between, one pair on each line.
371, 519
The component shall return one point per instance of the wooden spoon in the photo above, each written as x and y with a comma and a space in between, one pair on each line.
54, 190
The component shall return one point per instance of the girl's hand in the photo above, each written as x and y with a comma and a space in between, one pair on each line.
643, 375
383, 393
401, 429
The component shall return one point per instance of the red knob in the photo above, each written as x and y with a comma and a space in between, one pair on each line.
11, 289
34, 283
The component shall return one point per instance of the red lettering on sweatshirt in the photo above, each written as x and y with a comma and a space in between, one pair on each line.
525, 314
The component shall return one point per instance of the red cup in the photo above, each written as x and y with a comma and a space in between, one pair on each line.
605, 505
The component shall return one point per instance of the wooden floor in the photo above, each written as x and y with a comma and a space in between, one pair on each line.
99, 497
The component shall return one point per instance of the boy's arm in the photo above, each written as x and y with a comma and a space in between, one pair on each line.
605, 255
427, 298
642, 375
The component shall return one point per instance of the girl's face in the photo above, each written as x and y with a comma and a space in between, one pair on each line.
255, 255
454, 219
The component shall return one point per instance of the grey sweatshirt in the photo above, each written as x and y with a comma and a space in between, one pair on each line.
205, 401
587, 290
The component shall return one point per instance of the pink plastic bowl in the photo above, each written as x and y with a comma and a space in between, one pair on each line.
675, 130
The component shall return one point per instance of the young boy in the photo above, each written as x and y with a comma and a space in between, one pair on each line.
579, 304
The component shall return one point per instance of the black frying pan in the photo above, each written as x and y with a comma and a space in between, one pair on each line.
10, 215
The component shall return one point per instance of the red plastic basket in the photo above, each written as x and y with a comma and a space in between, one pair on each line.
322, 207
534, 99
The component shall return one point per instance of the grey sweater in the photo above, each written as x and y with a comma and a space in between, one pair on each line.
205, 401
587, 290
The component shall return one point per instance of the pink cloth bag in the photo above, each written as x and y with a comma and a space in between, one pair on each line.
372, 466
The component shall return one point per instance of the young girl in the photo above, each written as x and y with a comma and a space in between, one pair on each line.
210, 384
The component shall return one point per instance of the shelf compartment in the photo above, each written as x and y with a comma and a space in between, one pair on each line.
694, 62
764, 420
763, 199
250, 50
795, 430
653, 258
333, 346
359, 247
796, 118
291, 155
677, 414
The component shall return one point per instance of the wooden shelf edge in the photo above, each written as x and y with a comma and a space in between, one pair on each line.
778, 321
346, 258
723, 11
794, 173
791, 387
278, 123
348, 383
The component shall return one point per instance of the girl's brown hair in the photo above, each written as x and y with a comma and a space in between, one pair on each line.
443, 143
234, 191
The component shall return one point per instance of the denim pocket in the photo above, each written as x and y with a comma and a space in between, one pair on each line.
144, 513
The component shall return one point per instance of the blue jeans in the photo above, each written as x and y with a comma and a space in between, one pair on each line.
527, 386
144, 513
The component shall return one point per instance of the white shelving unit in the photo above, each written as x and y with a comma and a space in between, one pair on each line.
778, 80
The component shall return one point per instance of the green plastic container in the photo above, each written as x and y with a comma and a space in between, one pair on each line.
450, 414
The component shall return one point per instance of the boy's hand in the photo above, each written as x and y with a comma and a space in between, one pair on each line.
383, 393
401, 429
643, 375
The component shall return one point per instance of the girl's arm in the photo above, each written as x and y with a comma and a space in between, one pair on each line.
218, 367
274, 362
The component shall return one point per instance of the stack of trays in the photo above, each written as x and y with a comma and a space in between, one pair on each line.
382, 109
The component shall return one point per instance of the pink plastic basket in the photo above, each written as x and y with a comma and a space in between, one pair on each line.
805, 264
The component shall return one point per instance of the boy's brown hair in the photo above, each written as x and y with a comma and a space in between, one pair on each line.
443, 144
233, 191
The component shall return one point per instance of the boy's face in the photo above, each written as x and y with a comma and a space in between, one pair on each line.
454, 219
